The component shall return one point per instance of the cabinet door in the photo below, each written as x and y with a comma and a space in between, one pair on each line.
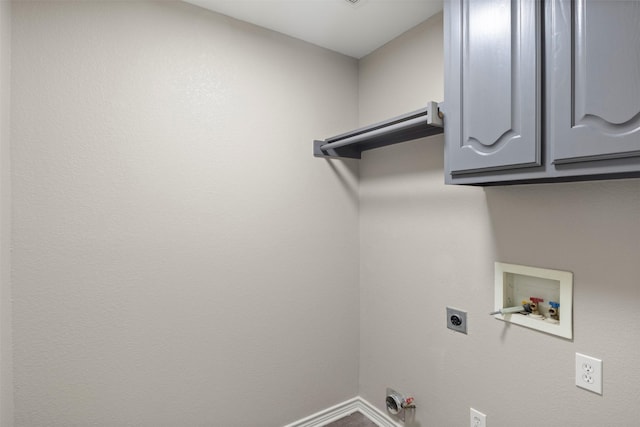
594, 80
492, 84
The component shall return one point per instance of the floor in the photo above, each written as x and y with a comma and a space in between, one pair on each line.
354, 420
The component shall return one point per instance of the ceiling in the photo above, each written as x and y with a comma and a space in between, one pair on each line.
354, 29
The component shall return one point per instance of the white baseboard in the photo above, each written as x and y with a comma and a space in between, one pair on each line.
341, 410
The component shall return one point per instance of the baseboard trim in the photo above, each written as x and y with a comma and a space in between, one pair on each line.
348, 407
375, 415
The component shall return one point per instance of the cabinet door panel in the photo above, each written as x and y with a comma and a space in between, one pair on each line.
492, 111
594, 80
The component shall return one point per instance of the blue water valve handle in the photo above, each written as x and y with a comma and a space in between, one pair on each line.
554, 304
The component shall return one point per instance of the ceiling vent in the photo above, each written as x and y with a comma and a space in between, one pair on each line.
356, 4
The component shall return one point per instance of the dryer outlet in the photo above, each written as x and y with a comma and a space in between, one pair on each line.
457, 320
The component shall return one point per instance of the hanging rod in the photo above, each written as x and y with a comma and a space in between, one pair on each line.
417, 124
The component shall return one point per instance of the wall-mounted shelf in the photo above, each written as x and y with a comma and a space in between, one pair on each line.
417, 124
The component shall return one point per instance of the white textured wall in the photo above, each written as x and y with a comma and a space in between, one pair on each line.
6, 372
180, 258
425, 245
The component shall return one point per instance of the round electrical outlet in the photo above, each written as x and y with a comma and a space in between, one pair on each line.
457, 320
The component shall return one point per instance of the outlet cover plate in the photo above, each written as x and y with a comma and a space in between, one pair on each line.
589, 373
477, 418
457, 320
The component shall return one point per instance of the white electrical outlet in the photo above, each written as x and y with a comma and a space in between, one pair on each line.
589, 373
477, 418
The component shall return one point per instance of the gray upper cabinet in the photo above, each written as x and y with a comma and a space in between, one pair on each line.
501, 86
595, 108
492, 90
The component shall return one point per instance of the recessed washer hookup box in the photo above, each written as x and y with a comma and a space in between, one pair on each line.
546, 297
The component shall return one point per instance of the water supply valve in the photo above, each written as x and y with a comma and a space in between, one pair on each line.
554, 312
535, 302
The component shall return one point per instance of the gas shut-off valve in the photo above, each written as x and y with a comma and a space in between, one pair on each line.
400, 406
